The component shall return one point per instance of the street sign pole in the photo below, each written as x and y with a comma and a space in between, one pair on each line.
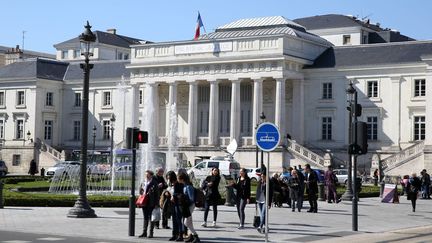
268, 137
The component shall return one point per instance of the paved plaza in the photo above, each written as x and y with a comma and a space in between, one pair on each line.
378, 222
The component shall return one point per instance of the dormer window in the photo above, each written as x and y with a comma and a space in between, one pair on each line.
347, 39
64, 54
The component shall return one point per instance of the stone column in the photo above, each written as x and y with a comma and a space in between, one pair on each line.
396, 105
152, 116
235, 111
213, 113
298, 111
280, 107
192, 113
170, 112
257, 104
172, 99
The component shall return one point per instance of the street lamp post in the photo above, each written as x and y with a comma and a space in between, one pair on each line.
82, 208
262, 119
94, 141
112, 119
348, 194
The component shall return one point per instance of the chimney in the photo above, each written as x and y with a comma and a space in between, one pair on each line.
112, 31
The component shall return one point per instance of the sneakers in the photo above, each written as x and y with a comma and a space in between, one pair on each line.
214, 224
240, 227
204, 224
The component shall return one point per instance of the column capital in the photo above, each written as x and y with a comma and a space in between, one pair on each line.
214, 81
280, 79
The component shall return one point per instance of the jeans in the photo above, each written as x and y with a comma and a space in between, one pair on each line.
177, 220
147, 211
241, 204
262, 210
207, 209
425, 191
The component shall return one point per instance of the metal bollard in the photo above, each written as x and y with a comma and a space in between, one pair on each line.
382, 184
1, 194
321, 191
229, 200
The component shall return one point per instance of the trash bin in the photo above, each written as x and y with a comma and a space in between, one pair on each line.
1, 194
321, 191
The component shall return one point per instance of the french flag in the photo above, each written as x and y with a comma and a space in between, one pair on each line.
198, 27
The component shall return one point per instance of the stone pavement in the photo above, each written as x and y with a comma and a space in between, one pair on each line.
378, 222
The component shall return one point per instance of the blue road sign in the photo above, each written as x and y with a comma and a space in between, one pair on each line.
267, 136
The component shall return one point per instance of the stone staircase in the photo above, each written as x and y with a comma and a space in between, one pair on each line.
404, 156
49, 156
307, 155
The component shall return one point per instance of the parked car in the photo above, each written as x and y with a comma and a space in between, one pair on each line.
254, 173
3, 168
121, 171
342, 175
61, 167
226, 166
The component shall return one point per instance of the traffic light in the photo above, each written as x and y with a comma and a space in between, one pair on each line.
362, 137
141, 136
135, 136
360, 145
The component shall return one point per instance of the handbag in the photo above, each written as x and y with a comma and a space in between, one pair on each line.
256, 219
142, 200
156, 215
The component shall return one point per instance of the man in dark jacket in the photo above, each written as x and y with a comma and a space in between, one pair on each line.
161, 186
425, 184
311, 188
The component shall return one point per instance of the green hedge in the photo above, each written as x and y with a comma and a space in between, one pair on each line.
21, 191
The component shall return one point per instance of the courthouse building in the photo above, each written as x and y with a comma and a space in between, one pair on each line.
294, 72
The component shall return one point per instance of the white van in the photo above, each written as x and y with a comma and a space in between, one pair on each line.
226, 166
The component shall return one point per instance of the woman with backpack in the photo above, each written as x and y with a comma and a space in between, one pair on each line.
413, 188
211, 188
187, 205
243, 187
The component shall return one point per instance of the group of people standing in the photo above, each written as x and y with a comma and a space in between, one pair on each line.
412, 185
175, 197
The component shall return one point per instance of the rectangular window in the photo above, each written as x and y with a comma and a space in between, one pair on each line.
419, 128
49, 99
141, 101
326, 128
126, 56
107, 98
19, 129
419, 88
77, 102
2, 129
327, 92
372, 89
16, 159
77, 53
20, 98
372, 128
2, 99
77, 130
64, 54
106, 129
48, 130
120, 56
347, 39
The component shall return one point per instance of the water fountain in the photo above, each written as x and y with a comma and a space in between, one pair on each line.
171, 158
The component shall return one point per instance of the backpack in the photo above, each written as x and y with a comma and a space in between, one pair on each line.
199, 198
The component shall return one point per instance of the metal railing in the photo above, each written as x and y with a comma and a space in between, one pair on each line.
304, 153
403, 156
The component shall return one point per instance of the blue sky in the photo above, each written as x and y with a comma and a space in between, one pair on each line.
48, 22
